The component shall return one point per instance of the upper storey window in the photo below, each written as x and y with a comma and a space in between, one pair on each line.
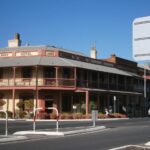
49, 72
27, 72
66, 73
1, 73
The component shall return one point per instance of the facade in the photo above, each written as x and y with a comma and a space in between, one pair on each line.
70, 81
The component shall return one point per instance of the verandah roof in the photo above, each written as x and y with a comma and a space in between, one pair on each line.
58, 61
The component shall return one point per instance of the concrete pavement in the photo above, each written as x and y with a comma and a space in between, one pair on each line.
63, 131
11, 138
23, 135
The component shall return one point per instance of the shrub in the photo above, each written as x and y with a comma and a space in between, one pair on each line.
77, 116
74, 116
29, 104
66, 116
53, 116
2, 102
43, 115
20, 104
117, 115
89, 116
101, 116
20, 114
9, 114
2, 114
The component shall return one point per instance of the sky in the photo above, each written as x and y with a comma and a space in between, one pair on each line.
73, 24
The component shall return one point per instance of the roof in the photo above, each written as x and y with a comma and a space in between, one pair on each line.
58, 61
45, 47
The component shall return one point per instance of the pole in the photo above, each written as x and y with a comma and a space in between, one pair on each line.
114, 104
34, 117
145, 88
94, 117
36, 86
144, 83
57, 125
36, 97
93, 123
6, 122
34, 111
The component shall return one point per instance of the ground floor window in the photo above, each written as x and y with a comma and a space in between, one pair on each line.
49, 103
66, 102
79, 105
103, 102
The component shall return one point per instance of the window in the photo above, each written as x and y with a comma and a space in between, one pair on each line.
27, 72
112, 78
66, 73
49, 72
49, 99
66, 102
1, 73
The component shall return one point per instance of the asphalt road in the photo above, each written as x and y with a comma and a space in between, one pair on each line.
122, 132
14, 126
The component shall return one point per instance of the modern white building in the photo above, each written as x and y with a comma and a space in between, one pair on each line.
141, 39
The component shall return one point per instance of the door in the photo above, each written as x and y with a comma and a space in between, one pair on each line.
48, 103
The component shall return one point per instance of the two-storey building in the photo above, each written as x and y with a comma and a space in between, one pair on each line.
69, 81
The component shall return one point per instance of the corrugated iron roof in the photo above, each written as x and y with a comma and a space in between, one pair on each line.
58, 61
45, 47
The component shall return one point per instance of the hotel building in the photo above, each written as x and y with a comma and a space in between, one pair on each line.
70, 81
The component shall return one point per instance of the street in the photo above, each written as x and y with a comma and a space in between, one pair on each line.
118, 133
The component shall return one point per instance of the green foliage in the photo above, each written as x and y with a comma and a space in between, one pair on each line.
26, 104
77, 115
9, 114
92, 105
2, 114
20, 104
29, 104
20, 114
66, 116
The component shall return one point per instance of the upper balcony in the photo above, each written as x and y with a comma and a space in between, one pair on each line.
25, 82
64, 77
37, 76
108, 86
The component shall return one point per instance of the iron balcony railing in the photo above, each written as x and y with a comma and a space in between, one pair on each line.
40, 82
63, 82
110, 86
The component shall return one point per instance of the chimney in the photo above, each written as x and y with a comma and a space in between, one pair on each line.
94, 52
16, 42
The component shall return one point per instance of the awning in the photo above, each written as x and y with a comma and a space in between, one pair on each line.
58, 61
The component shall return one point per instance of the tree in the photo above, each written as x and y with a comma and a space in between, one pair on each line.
29, 104
20, 104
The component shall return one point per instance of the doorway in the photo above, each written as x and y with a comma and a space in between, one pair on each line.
49, 103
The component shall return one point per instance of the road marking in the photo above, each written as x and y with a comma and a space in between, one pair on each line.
128, 146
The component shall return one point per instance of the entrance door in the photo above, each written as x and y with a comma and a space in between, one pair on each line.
48, 103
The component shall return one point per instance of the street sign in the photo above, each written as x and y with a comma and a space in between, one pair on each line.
141, 39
